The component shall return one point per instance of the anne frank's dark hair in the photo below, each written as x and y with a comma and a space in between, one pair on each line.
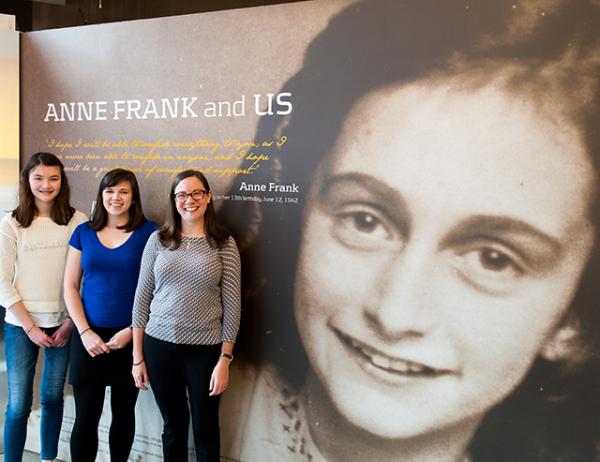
61, 211
170, 233
136, 213
542, 50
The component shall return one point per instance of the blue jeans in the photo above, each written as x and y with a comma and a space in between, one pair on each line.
21, 358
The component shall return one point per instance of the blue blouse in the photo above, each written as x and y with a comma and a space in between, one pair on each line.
109, 275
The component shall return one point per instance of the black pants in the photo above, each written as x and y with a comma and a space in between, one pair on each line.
174, 369
88, 409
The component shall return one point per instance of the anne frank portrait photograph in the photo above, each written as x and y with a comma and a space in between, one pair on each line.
434, 295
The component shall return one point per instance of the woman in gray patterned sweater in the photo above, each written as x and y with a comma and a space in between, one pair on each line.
186, 318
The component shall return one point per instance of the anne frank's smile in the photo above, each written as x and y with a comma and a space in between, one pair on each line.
386, 363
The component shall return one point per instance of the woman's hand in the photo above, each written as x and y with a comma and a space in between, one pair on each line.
220, 377
35, 334
62, 335
120, 339
140, 375
93, 343
40, 338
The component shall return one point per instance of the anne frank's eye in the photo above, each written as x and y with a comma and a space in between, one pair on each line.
494, 260
490, 267
362, 226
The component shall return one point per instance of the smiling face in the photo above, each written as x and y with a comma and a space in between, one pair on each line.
443, 241
45, 182
117, 199
191, 199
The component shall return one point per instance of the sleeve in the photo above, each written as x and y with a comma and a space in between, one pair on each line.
231, 290
145, 287
75, 240
149, 227
8, 259
80, 218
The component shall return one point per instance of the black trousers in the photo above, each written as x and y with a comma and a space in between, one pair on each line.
174, 372
88, 409
89, 377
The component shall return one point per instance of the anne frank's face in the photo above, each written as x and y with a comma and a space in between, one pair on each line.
444, 239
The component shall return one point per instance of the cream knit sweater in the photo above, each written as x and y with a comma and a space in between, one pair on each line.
32, 264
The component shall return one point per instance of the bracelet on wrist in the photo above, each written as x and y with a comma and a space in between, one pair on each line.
138, 363
84, 331
227, 356
30, 329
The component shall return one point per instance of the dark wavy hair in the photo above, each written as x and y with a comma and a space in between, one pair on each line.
170, 233
549, 50
136, 213
61, 210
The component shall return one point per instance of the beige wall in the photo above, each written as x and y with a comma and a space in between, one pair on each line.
9, 117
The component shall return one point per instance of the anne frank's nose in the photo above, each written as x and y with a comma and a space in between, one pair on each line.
402, 302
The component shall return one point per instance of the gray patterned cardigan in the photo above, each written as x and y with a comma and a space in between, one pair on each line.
190, 295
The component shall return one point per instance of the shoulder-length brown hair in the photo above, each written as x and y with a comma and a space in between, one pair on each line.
61, 211
136, 213
170, 233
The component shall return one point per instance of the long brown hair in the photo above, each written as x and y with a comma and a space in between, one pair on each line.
61, 211
170, 233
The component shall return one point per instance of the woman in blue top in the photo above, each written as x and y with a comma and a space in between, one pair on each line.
106, 252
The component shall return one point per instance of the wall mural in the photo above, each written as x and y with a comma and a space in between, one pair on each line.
413, 186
